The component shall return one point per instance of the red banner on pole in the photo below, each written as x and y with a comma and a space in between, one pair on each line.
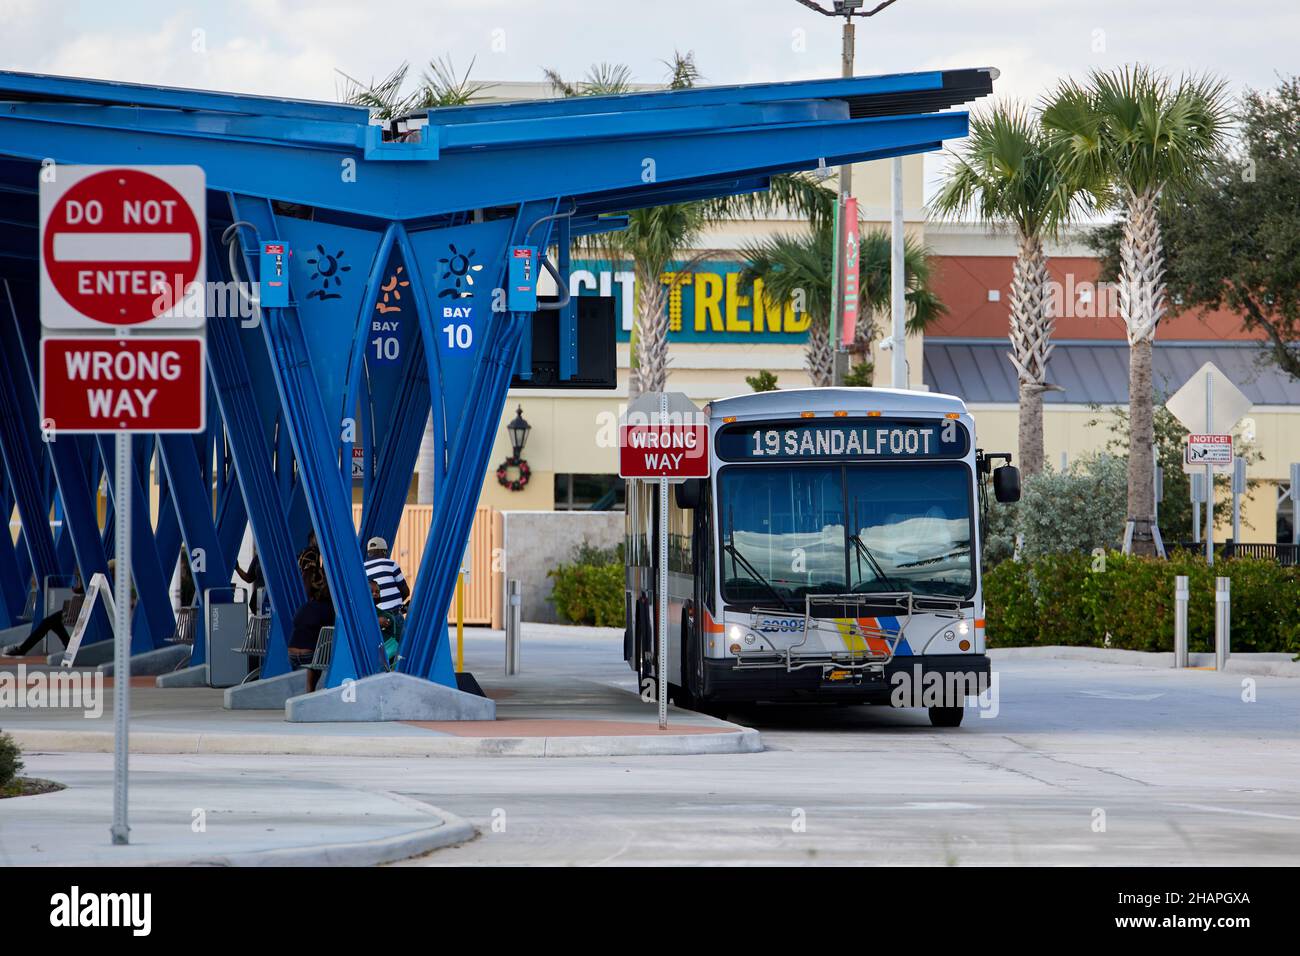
849, 260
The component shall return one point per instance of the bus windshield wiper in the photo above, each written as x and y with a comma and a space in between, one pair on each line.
758, 578
871, 560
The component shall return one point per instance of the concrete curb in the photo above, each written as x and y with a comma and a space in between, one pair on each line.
449, 831
743, 740
1258, 665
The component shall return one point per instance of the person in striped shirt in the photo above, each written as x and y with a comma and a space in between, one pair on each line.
384, 572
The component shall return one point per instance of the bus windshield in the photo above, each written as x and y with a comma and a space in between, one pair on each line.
791, 530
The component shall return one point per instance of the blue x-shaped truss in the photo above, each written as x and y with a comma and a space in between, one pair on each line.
426, 209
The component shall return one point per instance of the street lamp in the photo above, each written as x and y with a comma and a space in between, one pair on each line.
518, 431
848, 9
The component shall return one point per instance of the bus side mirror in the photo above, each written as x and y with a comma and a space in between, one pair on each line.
688, 492
1006, 484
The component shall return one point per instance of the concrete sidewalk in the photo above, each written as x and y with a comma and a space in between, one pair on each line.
568, 701
224, 817
1252, 664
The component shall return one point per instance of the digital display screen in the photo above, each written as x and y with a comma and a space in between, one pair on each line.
873, 439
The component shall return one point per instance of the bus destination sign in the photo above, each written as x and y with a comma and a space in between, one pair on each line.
868, 439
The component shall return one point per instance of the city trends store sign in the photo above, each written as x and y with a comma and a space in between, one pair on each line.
709, 303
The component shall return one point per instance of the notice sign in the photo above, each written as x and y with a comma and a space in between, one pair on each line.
663, 451
1213, 450
122, 247
138, 384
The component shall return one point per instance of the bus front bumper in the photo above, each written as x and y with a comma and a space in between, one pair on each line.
902, 681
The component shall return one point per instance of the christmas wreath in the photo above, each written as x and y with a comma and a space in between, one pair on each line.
523, 473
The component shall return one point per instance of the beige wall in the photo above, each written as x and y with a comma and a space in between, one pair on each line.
1066, 430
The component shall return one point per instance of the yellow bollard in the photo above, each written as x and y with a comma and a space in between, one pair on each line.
460, 622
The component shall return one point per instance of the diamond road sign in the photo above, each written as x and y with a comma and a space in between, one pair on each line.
1228, 402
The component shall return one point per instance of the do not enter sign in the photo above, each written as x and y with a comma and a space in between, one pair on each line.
122, 247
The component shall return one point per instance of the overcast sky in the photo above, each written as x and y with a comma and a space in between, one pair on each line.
292, 47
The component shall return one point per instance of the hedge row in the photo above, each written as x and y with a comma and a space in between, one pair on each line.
590, 589
1128, 602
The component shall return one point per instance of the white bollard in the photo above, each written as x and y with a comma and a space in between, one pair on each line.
1181, 595
514, 625
1222, 621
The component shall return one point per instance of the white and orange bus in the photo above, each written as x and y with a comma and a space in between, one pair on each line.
833, 553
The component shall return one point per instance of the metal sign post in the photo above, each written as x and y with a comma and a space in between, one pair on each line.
663, 438
122, 248
1238, 489
122, 635
662, 666
1207, 397
1209, 473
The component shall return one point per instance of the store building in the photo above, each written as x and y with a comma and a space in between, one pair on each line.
718, 337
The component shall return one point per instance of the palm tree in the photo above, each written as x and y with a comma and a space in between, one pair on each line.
791, 266
1147, 137
656, 236
1006, 173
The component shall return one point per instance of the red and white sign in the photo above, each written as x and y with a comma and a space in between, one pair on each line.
123, 247
663, 451
1204, 450
849, 258
111, 384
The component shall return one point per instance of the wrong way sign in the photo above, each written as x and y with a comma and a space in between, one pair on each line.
122, 247
663, 436
109, 384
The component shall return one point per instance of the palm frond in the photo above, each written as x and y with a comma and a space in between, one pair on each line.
442, 86
383, 98
682, 71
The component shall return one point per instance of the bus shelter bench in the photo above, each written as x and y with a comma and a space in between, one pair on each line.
324, 653
184, 633
72, 609
255, 637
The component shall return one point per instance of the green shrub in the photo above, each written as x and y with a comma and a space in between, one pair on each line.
762, 381
1126, 601
11, 760
589, 589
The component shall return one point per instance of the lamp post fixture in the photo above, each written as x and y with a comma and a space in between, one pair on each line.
518, 431
848, 9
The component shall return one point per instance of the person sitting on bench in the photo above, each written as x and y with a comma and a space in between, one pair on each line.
318, 612
53, 622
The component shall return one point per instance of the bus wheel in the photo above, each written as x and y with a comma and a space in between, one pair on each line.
946, 716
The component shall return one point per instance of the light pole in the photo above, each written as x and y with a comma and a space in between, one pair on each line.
848, 9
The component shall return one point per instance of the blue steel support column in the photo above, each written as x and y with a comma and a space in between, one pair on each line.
20, 440
152, 621
68, 455
568, 315
410, 410
194, 510
430, 655
250, 447
316, 447
13, 584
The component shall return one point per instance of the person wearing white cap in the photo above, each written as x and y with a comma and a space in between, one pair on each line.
383, 570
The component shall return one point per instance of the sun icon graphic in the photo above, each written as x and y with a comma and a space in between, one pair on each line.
458, 268
327, 269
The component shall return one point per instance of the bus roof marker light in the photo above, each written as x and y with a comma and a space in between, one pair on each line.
873, 414
952, 415
841, 413
806, 414
727, 420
